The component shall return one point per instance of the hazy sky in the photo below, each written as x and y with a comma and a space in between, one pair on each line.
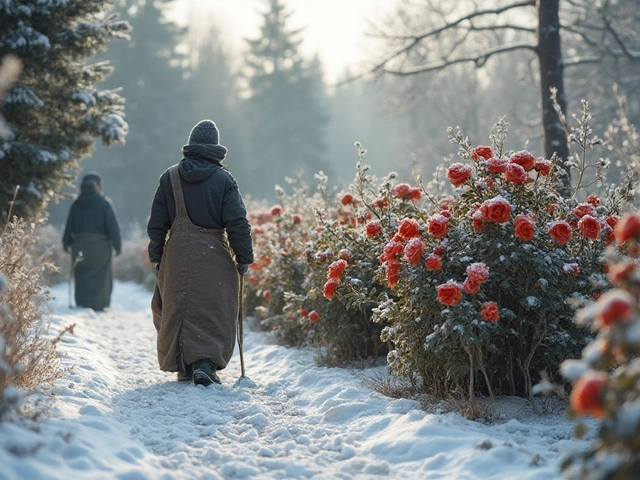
335, 29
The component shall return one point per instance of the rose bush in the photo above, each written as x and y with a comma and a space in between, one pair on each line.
607, 377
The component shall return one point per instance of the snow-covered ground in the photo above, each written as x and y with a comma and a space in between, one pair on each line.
116, 416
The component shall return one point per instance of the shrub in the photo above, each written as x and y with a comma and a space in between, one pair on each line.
28, 360
489, 295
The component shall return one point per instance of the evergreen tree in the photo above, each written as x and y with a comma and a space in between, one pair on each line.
152, 76
214, 81
54, 110
286, 111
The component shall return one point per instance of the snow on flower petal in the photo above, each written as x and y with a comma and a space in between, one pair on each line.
459, 173
478, 272
490, 312
413, 251
449, 293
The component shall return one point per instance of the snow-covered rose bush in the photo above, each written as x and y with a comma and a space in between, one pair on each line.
481, 281
606, 380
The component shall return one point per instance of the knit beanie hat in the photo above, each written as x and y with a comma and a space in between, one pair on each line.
205, 132
90, 183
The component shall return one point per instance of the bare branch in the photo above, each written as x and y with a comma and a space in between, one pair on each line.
634, 54
478, 60
578, 60
416, 39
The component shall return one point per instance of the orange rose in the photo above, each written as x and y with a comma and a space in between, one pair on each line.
433, 262
585, 397
560, 231
495, 210
449, 293
490, 312
482, 151
525, 229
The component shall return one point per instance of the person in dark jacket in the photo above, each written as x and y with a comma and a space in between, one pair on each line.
92, 233
200, 241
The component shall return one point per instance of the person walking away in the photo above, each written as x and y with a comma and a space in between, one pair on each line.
198, 223
92, 232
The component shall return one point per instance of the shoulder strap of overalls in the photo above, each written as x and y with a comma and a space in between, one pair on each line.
176, 185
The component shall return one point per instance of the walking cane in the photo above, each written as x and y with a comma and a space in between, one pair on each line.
243, 380
75, 262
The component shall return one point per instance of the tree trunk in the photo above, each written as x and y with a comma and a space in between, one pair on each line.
552, 76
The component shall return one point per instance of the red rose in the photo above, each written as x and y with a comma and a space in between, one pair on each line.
438, 225
478, 272
415, 194
586, 393
276, 210
590, 227
496, 165
253, 280
440, 249
330, 288
583, 209
347, 199
402, 190
490, 312
345, 254
314, 316
571, 269
515, 174
392, 249
408, 228
336, 268
297, 219
267, 295
413, 251
525, 229
543, 167
627, 228
612, 221
446, 204
392, 271
373, 228
593, 200
433, 262
449, 293
560, 231
478, 222
303, 312
470, 286
459, 173
446, 213
380, 203
482, 152
618, 272
495, 210
614, 305
524, 159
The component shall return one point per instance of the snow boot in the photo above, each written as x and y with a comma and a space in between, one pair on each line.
186, 375
204, 373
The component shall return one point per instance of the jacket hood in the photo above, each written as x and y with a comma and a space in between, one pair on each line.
89, 194
200, 161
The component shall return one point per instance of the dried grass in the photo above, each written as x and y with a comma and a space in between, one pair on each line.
28, 359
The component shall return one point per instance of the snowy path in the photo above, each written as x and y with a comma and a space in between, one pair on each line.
117, 416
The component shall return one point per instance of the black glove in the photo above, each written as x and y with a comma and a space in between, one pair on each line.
158, 267
242, 268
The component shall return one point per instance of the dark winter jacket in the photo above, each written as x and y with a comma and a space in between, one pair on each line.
92, 212
212, 200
